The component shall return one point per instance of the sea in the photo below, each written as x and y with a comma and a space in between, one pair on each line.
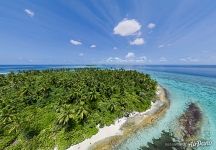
184, 83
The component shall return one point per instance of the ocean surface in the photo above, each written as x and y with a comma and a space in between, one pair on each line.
184, 83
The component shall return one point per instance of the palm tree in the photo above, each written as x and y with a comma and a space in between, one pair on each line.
66, 116
25, 92
2, 80
122, 90
123, 104
15, 126
44, 91
82, 112
78, 95
93, 95
6, 118
112, 107
109, 92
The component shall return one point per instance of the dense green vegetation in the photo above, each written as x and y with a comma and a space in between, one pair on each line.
42, 109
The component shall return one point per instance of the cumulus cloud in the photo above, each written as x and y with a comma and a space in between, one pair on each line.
115, 48
93, 46
183, 59
189, 59
160, 46
130, 55
115, 60
81, 54
163, 59
142, 59
74, 42
137, 41
127, 27
130, 58
29, 12
151, 25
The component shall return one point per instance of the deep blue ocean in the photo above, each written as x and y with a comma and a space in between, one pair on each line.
184, 83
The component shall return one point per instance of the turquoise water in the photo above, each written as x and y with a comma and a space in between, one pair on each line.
184, 83
182, 88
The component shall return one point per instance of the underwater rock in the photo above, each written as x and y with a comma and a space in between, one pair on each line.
190, 122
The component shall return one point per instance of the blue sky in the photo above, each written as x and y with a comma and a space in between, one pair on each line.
108, 32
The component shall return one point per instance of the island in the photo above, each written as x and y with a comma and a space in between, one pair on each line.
57, 108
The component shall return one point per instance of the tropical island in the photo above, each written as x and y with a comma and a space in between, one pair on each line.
60, 108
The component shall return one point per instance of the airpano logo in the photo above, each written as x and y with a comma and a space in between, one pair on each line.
192, 144
200, 143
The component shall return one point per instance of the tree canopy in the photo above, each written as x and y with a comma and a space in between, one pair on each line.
44, 109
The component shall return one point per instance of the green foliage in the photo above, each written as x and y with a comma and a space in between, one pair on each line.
44, 109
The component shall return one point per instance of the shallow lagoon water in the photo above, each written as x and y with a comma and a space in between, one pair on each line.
183, 88
184, 84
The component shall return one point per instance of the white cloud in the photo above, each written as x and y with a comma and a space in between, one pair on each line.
151, 25
142, 59
137, 41
93, 46
193, 59
115, 48
81, 54
189, 59
74, 42
163, 59
29, 12
160, 46
115, 60
130, 55
23, 59
130, 58
183, 59
127, 27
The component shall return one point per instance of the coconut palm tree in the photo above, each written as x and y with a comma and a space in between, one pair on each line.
93, 95
112, 107
7, 114
15, 126
66, 116
82, 112
79, 96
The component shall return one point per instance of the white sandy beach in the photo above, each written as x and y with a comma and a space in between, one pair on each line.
107, 131
115, 129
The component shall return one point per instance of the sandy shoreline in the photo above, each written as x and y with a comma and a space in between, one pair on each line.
110, 136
